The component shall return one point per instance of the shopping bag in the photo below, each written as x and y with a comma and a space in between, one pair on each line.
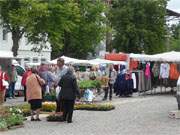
4, 82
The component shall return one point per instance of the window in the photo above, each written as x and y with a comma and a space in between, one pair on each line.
4, 34
35, 60
26, 60
43, 60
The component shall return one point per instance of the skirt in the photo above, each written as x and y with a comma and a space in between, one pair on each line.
35, 104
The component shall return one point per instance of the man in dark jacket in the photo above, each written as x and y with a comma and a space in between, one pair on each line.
68, 93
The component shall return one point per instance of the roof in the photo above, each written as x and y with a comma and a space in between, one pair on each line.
172, 13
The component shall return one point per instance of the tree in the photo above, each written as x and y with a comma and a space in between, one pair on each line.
73, 27
86, 30
174, 41
89, 31
139, 25
18, 16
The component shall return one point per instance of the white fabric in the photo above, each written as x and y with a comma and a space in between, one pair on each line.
178, 82
4, 82
164, 70
134, 80
58, 89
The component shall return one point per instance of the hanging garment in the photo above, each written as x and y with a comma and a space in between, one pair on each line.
156, 70
134, 81
141, 83
164, 70
147, 71
174, 74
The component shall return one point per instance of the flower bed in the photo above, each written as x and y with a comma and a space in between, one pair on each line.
51, 106
54, 118
10, 117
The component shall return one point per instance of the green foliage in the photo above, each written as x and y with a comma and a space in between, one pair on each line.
50, 96
174, 39
3, 124
65, 24
54, 118
95, 107
139, 25
88, 84
14, 119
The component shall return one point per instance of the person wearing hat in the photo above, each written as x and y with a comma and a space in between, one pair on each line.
13, 79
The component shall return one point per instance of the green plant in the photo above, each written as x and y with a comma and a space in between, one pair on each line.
3, 124
14, 119
95, 107
54, 118
50, 96
87, 84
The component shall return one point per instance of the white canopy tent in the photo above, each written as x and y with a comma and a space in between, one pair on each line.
96, 61
172, 56
141, 57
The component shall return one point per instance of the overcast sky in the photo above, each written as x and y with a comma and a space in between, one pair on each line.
174, 5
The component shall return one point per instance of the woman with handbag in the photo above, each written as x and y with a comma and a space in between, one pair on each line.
34, 93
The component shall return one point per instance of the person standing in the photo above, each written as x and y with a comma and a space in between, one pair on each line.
34, 93
24, 78
112, 77
3, 76
13, 79
62, 70
68, 93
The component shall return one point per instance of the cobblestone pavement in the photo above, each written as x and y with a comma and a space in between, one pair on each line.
139, 115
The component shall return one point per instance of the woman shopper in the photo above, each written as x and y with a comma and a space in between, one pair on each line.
68, 93
34, 93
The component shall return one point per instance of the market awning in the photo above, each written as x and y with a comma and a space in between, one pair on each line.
116, 56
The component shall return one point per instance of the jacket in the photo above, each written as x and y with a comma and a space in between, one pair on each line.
69, 87
25, 76
33, 85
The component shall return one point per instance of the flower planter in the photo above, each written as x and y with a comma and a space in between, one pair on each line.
16, 126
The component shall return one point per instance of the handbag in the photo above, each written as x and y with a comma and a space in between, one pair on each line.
4, 82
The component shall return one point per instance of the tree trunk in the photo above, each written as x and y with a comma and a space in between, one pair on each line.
109, 42
15, 38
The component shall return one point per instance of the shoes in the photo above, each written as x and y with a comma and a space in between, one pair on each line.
32, 119
70, 121
110, 99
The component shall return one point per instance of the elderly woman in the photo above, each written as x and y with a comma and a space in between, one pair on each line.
34, 93
68, 93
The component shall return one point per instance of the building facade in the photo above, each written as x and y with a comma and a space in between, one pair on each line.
25, 53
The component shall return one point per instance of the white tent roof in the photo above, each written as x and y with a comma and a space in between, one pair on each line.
66, 59
172, 56
6, 54
141, 57
96, 61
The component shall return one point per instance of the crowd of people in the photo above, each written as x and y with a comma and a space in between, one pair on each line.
62, 78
